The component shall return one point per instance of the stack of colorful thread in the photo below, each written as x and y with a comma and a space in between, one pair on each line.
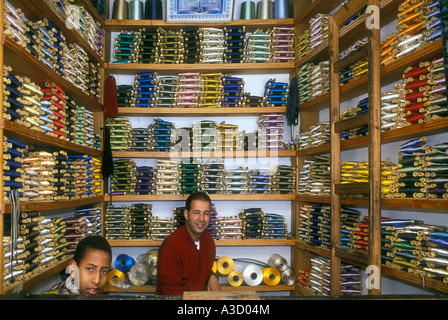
282, 44
271, 131
314, 177
167, 177
146, 180
123, 180
139, 220
189, 89
425, 92
210, 90
235, 44
258, 49
212, 177
260, 225
126, 47
189, 177
236, 181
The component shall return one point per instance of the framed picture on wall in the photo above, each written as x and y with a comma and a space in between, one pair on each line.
199, 10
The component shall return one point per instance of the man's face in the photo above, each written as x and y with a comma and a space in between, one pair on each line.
93, 271
198, 218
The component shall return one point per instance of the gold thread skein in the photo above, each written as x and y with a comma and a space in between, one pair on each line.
235, 278
225, 265
271, 276
120, 10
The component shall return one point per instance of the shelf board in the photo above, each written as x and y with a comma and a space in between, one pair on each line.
25, 64
117, 25
194, 112
414, 279
224, 287
351, 123
38, 139
173, 69
27, 206
352, 188
214, 197
198, 155
218, 243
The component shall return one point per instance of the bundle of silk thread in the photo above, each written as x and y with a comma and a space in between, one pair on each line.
425, 92
317, 135
392, 108
260, 181
416, 247
93, 216
314, 177
123, 179
422, 170
160, 132
271, 129
236, 181
146, 180
361, 107
160, 227
259, 46
228, 137
120, 133
315, 222
282, 44
212, 177
75, 231
189, 177
210, 90
417, 25
319, 278
283, 180
116, 222
83, 22
260, 225
167, 177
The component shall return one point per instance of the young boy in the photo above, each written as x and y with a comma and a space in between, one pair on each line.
89, 268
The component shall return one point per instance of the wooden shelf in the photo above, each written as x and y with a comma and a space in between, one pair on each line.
117, 25
26, 206
218, 243
38, 139
173, 69
224, 287
25, 64
194, 112
198, 155
214, 197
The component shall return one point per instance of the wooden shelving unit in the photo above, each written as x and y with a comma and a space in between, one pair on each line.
23, 63
367, 195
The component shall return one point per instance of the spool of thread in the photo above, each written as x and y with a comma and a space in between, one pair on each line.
271, 276
288, 277
235, 278
281, 9
120, 10
225, 265
265, 9
124, 263
115, 277
136, 10
247, 10
139, 274
252, 275
153, 10
278, 262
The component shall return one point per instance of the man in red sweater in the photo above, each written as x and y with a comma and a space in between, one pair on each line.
185, 258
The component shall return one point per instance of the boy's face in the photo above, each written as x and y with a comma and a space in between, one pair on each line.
94, 269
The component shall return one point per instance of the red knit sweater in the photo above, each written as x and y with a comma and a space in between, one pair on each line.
181, 266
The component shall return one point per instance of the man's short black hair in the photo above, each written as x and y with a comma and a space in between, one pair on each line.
198, 195
91, 242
